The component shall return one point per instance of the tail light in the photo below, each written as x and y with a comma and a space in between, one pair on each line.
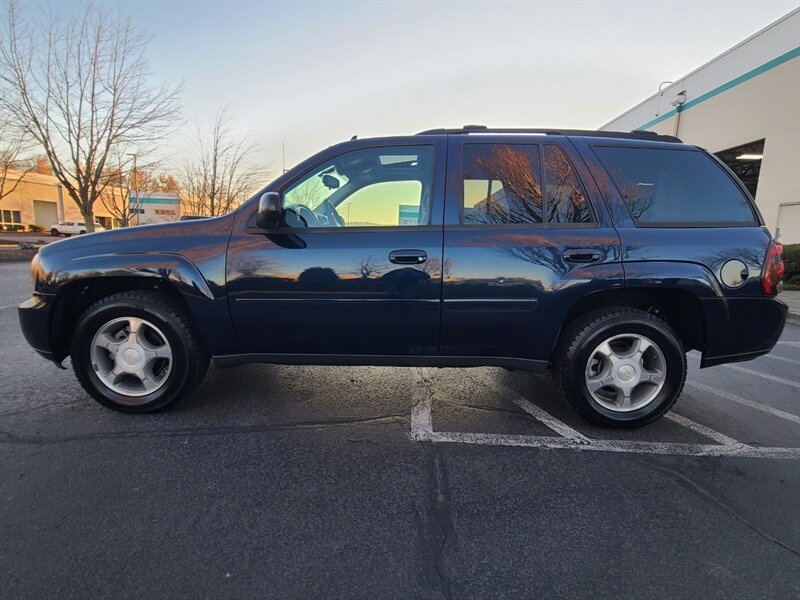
772, 277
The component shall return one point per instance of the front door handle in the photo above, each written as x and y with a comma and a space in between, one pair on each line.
583, 255
408, 257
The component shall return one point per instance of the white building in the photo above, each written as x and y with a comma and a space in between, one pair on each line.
744, 106
155, 207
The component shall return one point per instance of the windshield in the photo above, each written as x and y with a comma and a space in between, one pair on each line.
313, 191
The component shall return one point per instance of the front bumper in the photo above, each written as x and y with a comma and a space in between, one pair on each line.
35, 320
739, 329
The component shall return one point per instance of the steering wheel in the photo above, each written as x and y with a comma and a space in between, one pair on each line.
307, 215
332, 213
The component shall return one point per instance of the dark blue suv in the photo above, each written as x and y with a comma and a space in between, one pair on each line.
601, 256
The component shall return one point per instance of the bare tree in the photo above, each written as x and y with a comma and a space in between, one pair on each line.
13, 145
82, 88
223, 173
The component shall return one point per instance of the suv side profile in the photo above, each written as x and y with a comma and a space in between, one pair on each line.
602, 257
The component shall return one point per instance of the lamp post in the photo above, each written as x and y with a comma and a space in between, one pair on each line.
136, 188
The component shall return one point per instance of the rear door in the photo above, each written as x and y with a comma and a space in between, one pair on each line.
526, 236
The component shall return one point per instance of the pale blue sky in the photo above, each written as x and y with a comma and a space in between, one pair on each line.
312, 74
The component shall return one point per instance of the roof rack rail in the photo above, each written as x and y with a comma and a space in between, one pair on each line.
637, 134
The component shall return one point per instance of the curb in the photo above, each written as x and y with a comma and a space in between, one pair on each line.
793, 318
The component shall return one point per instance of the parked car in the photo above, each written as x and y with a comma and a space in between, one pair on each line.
602, 257
69, 228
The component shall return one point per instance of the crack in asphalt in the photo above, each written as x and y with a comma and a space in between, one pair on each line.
10, 437
701, 491
436, 527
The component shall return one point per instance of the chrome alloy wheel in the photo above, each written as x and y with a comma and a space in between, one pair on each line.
625, 372
131, 356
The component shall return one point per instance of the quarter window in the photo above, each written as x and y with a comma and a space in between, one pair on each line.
374, 187
675, 187
501, 184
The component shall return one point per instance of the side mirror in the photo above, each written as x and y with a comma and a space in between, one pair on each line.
270, 210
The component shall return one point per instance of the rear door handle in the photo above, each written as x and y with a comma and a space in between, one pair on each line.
408, 257
583, 255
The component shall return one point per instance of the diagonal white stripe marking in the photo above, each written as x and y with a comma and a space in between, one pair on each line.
704, 431
756, 405
763, 375
544, 417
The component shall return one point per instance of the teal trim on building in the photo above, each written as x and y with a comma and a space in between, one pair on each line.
725, 87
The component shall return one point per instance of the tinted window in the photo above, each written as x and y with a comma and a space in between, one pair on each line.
675, 187
566, 199
374, 187
501, 184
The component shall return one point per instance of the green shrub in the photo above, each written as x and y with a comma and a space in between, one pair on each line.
791, 260
35, 228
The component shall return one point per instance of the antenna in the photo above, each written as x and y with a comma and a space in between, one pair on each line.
283, 155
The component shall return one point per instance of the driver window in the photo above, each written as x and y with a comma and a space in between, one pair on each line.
374, 187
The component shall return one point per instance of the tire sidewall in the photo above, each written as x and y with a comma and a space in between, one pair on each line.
81, 355
675, 365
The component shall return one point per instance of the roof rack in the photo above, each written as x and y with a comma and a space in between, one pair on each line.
638, 134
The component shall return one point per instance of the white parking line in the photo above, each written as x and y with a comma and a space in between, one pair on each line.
752, 404
795, 344
763, 375
422, 430
718, 437
668, 448
782, 358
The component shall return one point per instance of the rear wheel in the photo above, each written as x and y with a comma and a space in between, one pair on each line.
54, 232
137, 352
620, 367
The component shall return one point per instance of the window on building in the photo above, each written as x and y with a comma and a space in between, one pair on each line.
501, 184
11, 220
675, 188
745, 161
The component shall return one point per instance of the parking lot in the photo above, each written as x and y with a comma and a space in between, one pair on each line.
278, 481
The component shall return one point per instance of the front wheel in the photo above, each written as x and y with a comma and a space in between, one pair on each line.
620, 367
137, 352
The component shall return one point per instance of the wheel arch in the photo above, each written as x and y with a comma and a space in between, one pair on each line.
175, 276
680, 308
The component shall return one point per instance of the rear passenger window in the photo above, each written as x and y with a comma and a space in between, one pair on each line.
501, 184
566, 200
675, 187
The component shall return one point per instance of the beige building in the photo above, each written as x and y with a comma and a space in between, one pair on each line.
745, 107
40, 200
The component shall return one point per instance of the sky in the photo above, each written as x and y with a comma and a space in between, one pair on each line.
311, 74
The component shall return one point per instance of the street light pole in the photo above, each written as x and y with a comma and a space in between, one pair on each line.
135, 188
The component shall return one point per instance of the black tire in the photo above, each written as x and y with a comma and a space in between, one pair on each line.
54, 232
81, 232
189, 357
579, 340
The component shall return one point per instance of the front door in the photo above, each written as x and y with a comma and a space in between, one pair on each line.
356, 267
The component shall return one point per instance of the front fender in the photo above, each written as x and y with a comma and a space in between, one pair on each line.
204, 297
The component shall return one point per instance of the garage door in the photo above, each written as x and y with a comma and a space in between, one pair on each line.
45, 213
789, 222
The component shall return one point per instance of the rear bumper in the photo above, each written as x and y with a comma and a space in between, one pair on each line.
739, 329
35, 320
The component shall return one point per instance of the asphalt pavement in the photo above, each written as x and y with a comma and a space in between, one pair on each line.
311, 482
